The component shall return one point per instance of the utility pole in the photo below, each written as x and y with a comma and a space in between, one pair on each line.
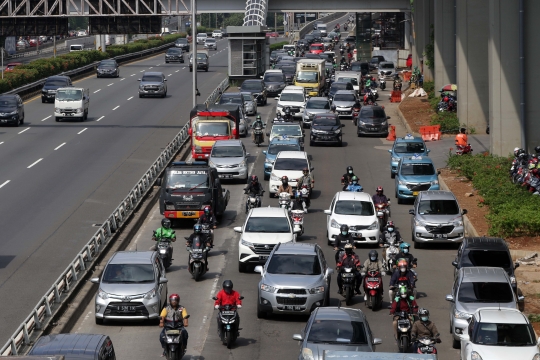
54, 46
194, 49
2, 64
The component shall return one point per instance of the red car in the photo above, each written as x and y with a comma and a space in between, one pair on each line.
316, 48
11, 66
33, 42
409, 61
274, 34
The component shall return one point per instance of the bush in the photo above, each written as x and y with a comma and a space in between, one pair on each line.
448, 120
513, 211
278, 46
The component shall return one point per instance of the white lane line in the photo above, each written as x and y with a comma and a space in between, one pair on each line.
100, 118
59, 146
110, 84
158, 64
83, 130
141, 71
1, 143
98, 90
169, 75
130, 98
183, 68
116, 107
46, 118
151, 67
20, 132
5, 183
177, 70
34, 163
122, 79
132, 74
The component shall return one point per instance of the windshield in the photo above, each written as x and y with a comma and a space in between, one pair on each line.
318, 104
210, 40
409, 147
485, 292
227, 151
438, 207
252, 85
504, 335
247, 97
288, 69
69, 95
344, 97
276, 148
8, 102
211, 129
417, 169
387, 66
107, 64
268, 225
55, 82
325, 121
370, 112
152, 78
230, 99
307, 76
201, 57
186, 179
338, 86
280, 130
486, 258
294, 265
353, 207
352, 80
128, 273
273, 78
174, 51
337, 332
290, 164
288, 96
317, 47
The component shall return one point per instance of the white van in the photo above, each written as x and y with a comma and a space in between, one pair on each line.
292, 96
355, 78
76, 47
71, 102
201, 38
322, 28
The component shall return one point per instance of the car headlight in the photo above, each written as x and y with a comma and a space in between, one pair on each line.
475, 356
335, 224
435, 182
307, 354
309, 114
461, 315
337, 131
268, 288
151, 294
374, 225
80, 110
211, 163
57, 110
317, 290
141, 87
395, 159
458, 223
246, 243
418, 222
315, 131
402, 182
361, 123
273, 177
384, 123
169, 207
268, 161
102, 294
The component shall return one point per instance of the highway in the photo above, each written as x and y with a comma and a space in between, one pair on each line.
272, 338
59, 178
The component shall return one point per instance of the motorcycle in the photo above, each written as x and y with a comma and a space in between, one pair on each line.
426, 345
373, 289
227, 324
253, 201
208, 232
463, 149
197, 252
258, 136
304, 190
285, 201
349, 283
298, 221
391, 252
382, 83
355, 113
397, 85
288, 115
343, 67
383, 213
174, 342
404, 326
165, 250
448, 103
369, 98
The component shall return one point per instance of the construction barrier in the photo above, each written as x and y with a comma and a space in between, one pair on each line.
391, 133
395, 96
431, 133
406, 75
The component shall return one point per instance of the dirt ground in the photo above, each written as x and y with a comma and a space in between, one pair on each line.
417, 111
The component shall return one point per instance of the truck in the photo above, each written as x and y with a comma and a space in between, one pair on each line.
188, 187
355, 78
311, 75
71, 102
220, 122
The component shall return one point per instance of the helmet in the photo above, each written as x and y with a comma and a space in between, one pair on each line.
258, 117
373, 255
537, 149
197, 228
344, 229
445, 99
174, 297
516, 151
423, 313
402, 262
348, 249
390, 226
349, 169
379, 189
166, 223
354, 180
404, 247
254, 178
285, 180
403, 291
228, 286
207, 210
305, 170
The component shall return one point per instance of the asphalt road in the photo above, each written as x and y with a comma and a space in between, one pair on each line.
58, 179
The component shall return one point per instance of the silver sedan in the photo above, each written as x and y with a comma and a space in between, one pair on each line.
250, 104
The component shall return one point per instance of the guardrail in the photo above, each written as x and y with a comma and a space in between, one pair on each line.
40, 317
309, 26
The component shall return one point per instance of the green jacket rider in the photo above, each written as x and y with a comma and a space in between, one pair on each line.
164, 232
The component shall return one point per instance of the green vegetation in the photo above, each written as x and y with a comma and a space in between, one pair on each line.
429, 50
448, 120
278, 46
534, 318
513, 211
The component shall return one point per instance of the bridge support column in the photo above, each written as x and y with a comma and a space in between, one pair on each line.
423, 18
445, 42
363, 36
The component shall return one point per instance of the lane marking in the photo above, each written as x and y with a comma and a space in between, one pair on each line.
130, 98
151, 67
5, 183
100, 118
177, 70
34, 163
183, 68
1, 143
46, 118
141, 71
132, 74
83, 130
116, 107
59, 146
122, 79
169, 75
110, 84
98, 90
24, 130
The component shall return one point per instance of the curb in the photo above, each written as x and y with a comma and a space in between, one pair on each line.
469, 227
404, 121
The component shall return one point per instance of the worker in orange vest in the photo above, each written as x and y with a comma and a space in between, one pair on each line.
461, 138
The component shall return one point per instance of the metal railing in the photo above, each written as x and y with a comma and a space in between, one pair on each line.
40, 317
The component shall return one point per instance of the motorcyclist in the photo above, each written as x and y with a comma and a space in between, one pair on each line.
397, 82
349, 260
197, 228
424, 327
299, 203
254, 188
346, 178
380, 198
228, 296
461, 138
374, 264
405, 254
402, 273
402, 302
343, 61
354, 185
344, 237
306, 179
259, 125
174, 312
285, 187
389, 233
164, 232
207, 218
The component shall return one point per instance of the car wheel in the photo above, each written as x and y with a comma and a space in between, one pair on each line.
99, 321
456, 344
242, 268
190, 70
42, 100
266, 177
417, 244
270, 195
311, 143
166, 62
399, 201
57, 119
265, 100
206, 69
328, 238
392, 175
97, 76
358, 134
260, 314
340, 144
140, 96
22, 120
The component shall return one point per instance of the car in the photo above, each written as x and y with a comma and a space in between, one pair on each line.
229, 158
133, 286
250, 103
372, 120
35, 42
22, 44
231, 98
338, 85
11, 110
355, 78
344, 101
73, 347
316, 48
174, 32
295, 280
274, 148
330, 55
182, 43
257, 88
174, 54
275, 82
327, 57
53, 83
201, 38
475, 288
497, 334
289, 47
361, 67
303, 43
387, 70
310, 38
107, 68
210, 44
339, 329
314, 106
274, 55
374, 62
290, 164
76, 47
406, 146
355, 209
12, 66
313, 56
153, 83
294, 97
217, 34
415, 174
326, 128
265, 227
203, 62
286, 130
274, 34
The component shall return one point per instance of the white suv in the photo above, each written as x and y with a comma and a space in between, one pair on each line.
264, 228
290, 164
217, 34
201, 38
294, 97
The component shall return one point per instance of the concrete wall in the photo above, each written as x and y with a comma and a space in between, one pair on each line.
423, 18
445, 42
389, 55
532, 75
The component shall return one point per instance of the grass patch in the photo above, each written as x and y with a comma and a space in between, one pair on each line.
278, 46
448, 120
534, 318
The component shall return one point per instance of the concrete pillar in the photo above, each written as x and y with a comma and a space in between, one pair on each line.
445, 42
423, 18
472, 63
532, 75
408, 31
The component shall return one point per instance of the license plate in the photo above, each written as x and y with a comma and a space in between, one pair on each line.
263, 257
343, 112
415, 193
440, 236
227, 312
126, 308
403, 322
373, 279
372, 129
225, 176
294, 308
188, 213
356, 235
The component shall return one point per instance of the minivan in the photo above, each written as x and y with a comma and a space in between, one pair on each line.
75, 346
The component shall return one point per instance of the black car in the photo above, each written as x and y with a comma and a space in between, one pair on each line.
108, 68
313, 56
289, 71
257, 88
75, 346
374, 62
372, 120
326, 128
275, 82
231, 98
275, 54
339, 85
174, 54
309, 38
182, 43
11, 110
302, 43
361, 67
48, 92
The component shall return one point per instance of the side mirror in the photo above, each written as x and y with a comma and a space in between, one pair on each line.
464, 337
301, 338
390, 151
238, 229
312, 169
521, 298
258, 269
239, 88
264, 152
138, 79
538, 341
165, 80
449, 298
428, 150
94, 280
247, 154
214, 298
241, 298
267, 134
328, 212
388, 117
376, 341
158, 182
516, 265
438, 172
260, 77
342, 125
455, 264
276, 98
464, 211
329, 271
411, 211
163, 280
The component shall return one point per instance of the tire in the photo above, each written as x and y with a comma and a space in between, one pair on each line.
404, 344
57, 119
327, 297
348, 295
42, 100
260, 314
418, 245
97, 76
206, 70
242, 268
266, 177
190, 69
140, 96
230, 340
399, 201
456, 344
99, 321
166, 62
311, 143
392, 175
17, 123
521, 304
